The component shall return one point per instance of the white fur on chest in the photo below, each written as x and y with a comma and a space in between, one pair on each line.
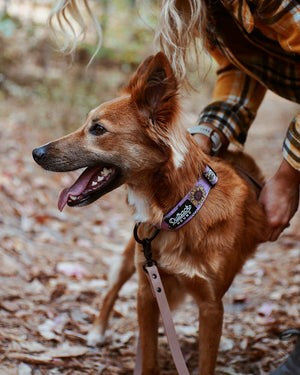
176, 264
140, 206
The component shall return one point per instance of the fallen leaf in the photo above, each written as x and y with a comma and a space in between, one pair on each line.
24, 369
71, 269
46, 330
266, 309
51, 327
32, 346
51, 355
226, 344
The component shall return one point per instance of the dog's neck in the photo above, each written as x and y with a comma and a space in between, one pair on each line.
160, 190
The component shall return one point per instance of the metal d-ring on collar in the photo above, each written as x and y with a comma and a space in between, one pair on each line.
146, 244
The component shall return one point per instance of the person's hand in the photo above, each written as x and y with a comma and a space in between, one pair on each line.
280, 198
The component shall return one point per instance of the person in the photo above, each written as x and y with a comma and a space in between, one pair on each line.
257, 47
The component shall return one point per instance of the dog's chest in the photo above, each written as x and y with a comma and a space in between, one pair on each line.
177, 261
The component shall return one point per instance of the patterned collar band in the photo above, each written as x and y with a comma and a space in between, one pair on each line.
189, 206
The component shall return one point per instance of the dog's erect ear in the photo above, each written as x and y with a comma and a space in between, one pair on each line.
139, 73
154, 89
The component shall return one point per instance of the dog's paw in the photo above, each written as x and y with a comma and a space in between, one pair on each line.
94, 338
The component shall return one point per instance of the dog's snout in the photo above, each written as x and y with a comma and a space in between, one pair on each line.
39, 153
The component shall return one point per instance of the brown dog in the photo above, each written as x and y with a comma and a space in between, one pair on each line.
138, 140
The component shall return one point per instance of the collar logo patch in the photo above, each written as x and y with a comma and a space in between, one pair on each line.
183, 212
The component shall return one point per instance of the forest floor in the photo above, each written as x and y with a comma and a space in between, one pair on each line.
54, 266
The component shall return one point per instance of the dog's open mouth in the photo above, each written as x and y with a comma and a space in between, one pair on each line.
90, 185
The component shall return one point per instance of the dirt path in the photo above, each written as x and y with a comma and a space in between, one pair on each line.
44, 312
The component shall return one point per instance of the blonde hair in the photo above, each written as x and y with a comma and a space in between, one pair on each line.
180, 27
181, 23
72, 25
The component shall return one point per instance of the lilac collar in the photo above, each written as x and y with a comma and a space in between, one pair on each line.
188, 207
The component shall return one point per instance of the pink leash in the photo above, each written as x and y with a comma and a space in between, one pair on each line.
159, 293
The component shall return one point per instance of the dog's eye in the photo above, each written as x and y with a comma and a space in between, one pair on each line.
97, 129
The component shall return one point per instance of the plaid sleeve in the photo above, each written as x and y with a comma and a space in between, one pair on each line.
291, 145
236, 99
280, 20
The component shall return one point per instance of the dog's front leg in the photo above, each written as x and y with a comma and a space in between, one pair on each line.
148, 315
210, 330
121, 274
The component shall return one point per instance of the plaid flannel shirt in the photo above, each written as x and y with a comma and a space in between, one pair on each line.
257, 48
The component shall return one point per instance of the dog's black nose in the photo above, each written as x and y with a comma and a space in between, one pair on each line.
39, 153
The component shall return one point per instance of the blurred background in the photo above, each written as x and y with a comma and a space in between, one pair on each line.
54, 266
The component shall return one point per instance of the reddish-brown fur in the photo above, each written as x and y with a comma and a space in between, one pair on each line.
201, 258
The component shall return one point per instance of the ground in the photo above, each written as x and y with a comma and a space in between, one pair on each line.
54, 266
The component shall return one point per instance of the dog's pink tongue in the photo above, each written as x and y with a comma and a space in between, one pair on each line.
77, 188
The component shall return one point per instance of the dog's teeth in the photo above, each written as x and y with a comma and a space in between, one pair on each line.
105, 172
73, 198
100, 178
94, 183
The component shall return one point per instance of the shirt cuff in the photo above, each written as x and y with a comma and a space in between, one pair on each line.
230, 118
291, 145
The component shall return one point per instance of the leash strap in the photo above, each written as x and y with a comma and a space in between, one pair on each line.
249, 178
159, 293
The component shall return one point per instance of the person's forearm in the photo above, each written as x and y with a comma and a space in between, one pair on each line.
287, 172
234, 104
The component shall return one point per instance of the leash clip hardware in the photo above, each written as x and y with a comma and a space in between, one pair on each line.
149, 263
146, 244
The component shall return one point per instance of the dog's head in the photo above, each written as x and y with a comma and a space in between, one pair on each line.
121, 139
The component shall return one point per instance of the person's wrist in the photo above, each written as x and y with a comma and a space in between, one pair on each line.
206, 142
287, 173
223, 138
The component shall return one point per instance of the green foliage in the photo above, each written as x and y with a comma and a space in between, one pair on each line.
34, 72
128, 30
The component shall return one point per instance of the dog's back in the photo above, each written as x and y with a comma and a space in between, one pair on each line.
244, 162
